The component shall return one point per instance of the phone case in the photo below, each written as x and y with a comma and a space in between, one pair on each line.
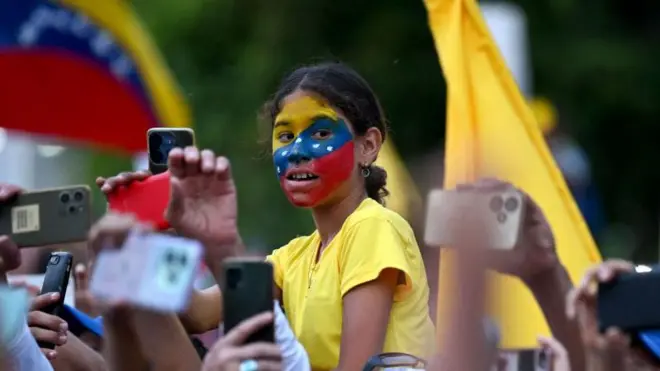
158, 150
48, 217
147, 200
56, 279
247, 291
503, 211
630, 302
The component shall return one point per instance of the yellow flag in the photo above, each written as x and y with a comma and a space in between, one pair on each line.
489, 125
404, 195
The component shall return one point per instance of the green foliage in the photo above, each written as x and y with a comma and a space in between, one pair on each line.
595, 59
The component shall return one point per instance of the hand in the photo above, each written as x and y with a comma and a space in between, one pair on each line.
534, 252
228, 352
109, 185
112, 230
582, 303
84, 300
46, 327
203, 199
557, 352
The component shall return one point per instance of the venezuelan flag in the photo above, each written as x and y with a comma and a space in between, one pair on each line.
83, 70
490, 126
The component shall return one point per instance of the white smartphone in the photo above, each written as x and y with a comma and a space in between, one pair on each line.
152, 271
14, 304
503, 212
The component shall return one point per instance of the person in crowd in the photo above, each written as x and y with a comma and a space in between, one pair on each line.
354, 287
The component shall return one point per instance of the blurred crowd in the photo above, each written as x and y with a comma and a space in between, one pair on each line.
352, 295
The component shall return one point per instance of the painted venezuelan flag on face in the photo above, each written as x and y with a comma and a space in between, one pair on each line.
313, 150
83, 70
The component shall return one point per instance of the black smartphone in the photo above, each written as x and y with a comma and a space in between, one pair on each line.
56, 279
160, 141
630, 302
247, 290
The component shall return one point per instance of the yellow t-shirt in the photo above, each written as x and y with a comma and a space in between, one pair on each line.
371, 240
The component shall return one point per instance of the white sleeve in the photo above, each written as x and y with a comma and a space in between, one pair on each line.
24, 354
294, 356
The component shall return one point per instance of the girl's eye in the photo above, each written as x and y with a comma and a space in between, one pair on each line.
322, 134
285, 137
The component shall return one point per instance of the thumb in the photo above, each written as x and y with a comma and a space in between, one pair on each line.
81, 277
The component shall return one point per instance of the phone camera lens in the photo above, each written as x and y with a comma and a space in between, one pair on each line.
501, 217
78, 196
73, 209
54, 259
496, 204
170, 257
511, 204
65, 198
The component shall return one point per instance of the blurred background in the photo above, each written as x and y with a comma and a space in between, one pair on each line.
588, 67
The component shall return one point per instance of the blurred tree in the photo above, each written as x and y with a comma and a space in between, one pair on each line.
594, 58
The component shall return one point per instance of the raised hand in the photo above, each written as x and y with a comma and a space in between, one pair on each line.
608, 349
46, 327
84, 299
203, 200
535, 251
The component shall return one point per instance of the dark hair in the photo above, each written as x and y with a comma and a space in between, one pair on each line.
349, 93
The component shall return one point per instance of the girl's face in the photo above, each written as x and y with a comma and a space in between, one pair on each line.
313, 149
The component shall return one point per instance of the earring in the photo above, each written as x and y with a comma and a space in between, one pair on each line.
366, 171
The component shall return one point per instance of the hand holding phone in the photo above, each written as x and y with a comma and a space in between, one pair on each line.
502, 215
630, 302
47, 217
56, 280
248, 291
152, 271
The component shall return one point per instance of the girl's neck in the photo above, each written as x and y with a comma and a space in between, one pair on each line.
330, 219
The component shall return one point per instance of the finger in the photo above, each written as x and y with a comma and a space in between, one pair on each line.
208, 161
175, 162
571, 303
192, 161
553, 345
493, 185
10, 255
616, 339
47, 336
464, 187
138, 176
612, 268
47, 321
266, 365
240, 333
259, 350
111, 231
100, 181
543, 235
9, 191
49, 353
222, 168
81, 278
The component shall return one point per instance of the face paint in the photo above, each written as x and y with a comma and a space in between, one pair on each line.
313, 151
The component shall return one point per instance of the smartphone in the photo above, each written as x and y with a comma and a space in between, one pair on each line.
153, 271
14, 305
47, 217
56, 279
630, 302
247, 291
160, 141
147, 200
503, 212
528, 360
